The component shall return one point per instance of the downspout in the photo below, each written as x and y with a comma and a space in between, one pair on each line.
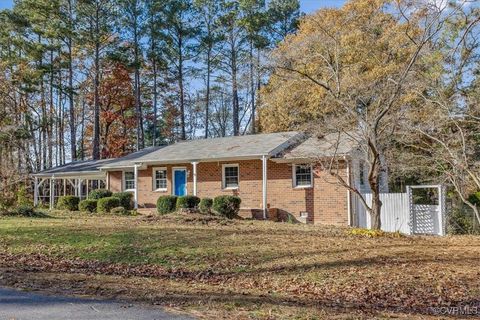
264, 186
107, 180
194, 164
349, 194
135, 194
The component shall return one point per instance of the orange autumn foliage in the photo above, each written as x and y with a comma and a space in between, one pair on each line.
117, 111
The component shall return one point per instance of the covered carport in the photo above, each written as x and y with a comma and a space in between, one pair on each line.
76, 178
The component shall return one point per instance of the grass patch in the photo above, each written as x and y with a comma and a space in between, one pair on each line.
217, 267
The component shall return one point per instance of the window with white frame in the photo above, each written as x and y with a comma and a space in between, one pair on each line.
160, 179
361, 173
302, 175
128, 180
230, 176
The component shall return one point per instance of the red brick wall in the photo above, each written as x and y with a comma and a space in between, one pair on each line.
326, 202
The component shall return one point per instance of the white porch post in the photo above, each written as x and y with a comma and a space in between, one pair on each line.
52, 192
35, 192
194, 178
64, 187
86, 184
135, 193
264, 186
80, 181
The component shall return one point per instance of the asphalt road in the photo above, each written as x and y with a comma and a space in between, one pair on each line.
20, 305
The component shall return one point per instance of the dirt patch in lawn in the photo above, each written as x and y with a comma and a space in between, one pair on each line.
241, 269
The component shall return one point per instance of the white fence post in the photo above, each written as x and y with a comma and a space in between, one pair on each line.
442, 209
411, 216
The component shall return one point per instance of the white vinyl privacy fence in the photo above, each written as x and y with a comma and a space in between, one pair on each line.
401, 213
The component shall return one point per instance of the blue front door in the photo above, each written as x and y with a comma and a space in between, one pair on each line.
180, 182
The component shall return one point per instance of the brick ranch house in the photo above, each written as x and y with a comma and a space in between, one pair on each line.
274, 174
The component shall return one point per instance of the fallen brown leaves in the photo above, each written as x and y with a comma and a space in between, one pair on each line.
260, 269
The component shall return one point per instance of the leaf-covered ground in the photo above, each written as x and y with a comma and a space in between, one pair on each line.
214, 268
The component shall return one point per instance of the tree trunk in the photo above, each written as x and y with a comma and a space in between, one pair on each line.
73, 136
82, 132
50, 115
252, 88
155, 107
183, 135
155, 94
375, 211
374, 182
236, 125
138, 106
96, 107
207, 95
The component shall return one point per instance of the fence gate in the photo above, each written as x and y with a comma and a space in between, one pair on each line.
427, 217
418, 211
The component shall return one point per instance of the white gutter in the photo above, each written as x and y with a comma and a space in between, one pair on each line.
185, 161
68, 174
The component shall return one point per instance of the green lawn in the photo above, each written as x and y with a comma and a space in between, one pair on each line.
240, 269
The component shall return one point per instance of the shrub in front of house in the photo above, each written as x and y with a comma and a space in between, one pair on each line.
187, 202
119, 210
23, 197
474, 198
99, 194
227, 206
166, 204
88, 205
126, 199
25, 210
205, 205
69, 203
105, 205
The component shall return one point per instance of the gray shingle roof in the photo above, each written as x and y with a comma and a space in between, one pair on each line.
283, 145
333, 144
93, 166
130, 159
222, 148
76, 167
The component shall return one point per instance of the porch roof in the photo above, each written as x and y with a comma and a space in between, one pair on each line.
86, 167
91, 168
218, 149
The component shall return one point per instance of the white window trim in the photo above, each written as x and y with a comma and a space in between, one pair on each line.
154, 179
123, 181
230, 165
294, 176
173, 179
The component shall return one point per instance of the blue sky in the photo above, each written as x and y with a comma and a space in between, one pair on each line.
306, 5
5, 4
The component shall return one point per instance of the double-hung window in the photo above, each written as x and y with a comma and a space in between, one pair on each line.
302, 176
230, 176
128, 180
160, 179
